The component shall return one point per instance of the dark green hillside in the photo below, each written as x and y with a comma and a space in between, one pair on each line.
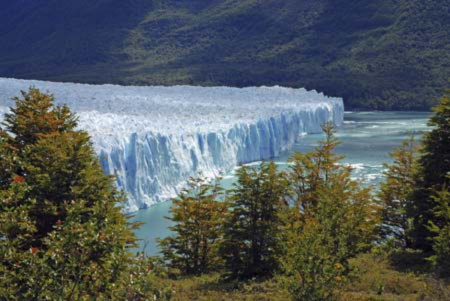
386, 54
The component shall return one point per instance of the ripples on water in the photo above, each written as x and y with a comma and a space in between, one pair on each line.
367, 138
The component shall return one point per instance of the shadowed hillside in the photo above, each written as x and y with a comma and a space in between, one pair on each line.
387, 54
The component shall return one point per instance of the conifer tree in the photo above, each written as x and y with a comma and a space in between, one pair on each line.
317, 260
315, 169
251, 246
198, 213
441, 231
431, 176
395, 192
333, 219
62, 235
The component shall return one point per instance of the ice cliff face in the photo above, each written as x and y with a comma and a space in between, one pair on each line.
154, 138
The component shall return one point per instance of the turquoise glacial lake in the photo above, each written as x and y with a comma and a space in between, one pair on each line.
367, 138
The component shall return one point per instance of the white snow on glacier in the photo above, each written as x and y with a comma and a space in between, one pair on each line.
154, 138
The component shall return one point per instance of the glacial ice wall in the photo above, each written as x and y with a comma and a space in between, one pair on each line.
154, 138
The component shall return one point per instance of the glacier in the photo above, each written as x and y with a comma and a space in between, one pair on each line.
154, 138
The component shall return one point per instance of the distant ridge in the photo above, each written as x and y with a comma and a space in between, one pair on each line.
386, 54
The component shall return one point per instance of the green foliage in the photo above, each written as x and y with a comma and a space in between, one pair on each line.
143, 280
211, 287
62, 235
199, 217
333, 220
319, 173
251, 245
314, 263
376, 278
441, 229
315, 169
415, 198
395, 192
391, 55
431, 176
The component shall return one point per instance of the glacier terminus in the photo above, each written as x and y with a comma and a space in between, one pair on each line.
154, 138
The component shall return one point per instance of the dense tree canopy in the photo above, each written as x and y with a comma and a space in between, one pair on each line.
395, 193
251, 245
432, 175
198, 215
62, 234
334, 218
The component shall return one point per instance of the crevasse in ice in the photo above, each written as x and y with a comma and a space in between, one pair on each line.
153, 138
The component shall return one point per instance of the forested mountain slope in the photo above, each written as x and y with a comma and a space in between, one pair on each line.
386, 54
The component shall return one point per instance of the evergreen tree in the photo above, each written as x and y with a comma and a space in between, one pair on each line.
315, 169
431, 176
317, 260
251, 245
333, 219
62, 235
395, 192
198, 214
441, 231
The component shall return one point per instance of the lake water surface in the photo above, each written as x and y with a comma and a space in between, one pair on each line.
367, 138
